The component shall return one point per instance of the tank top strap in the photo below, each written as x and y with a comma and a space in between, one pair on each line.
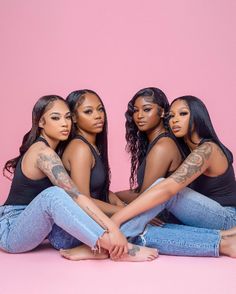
165, 134
41, 139
93, 150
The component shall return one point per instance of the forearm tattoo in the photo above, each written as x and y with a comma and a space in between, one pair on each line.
96, 218
132, 251
52, 166
193, 163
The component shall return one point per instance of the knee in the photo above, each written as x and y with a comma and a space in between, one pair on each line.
51, 195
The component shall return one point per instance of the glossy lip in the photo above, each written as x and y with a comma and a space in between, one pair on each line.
141, 123
99, 125
176, 128
65, 133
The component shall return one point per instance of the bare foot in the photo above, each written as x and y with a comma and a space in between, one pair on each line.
228, 233
82, 252
228, 246
139, 253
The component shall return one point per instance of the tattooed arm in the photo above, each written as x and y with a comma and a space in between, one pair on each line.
193, 166
50, 164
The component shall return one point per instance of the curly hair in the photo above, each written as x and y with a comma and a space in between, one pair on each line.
137, 141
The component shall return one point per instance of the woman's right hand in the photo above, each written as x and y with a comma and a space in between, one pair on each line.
119, 244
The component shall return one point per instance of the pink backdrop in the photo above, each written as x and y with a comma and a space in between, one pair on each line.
115, 48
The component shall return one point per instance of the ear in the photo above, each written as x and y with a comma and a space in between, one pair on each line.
41, 123
161, 112
74, 120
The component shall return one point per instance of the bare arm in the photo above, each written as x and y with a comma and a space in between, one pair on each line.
50, 164
81, 161
193, 166
127, 196
158, 162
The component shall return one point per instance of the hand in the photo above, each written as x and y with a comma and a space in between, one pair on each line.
119, 244
115, 200
156, 222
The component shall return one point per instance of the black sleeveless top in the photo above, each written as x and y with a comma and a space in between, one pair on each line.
141, 168
222, 188
24, 190
97, 185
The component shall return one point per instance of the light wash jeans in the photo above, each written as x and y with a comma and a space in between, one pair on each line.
172, 239
22, 228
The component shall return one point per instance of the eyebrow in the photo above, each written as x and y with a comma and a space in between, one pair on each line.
89, 106
58, 113
185, 107
148, 104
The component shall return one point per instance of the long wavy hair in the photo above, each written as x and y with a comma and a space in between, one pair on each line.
41, 106
137, 141
74, 100
200, 122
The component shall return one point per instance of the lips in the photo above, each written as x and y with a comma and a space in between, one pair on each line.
65, 133
99, 125
176, 129
141, 123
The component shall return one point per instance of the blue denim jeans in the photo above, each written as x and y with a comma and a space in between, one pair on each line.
196, 210
22, 228
189, 206
172, 239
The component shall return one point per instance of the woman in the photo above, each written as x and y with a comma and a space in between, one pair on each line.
86, 160
34, 203
82, 159
208, 168
149, 142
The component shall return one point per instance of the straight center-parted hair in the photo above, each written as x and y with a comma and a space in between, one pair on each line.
200, 122
137, 141
41, 106
74, 100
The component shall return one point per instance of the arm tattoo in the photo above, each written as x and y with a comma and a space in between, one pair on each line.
52, 166
96, 218
132, 251
193, 163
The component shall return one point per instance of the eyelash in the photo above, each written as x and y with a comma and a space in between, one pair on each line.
89, 111
145, 110
58, 118
183, 113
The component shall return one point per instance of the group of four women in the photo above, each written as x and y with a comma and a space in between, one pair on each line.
180, 172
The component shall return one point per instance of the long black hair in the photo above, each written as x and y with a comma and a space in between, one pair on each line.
43, 104
200, 122
75, 99
137, 141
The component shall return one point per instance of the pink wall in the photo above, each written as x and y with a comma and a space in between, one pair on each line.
115, 48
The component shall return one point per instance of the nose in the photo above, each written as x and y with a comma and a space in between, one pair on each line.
175, 119
65, 121
97, 114
140, 114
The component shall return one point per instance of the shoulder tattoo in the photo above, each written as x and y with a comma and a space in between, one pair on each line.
193, 163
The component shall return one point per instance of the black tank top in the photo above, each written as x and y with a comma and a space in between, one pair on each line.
24, 190
222, 188
97, 185
141, 168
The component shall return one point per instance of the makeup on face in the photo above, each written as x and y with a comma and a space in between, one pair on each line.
179, 116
